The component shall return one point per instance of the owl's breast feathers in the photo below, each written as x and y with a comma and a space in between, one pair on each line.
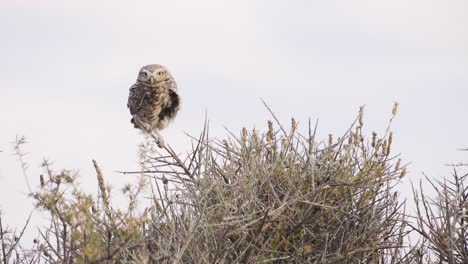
155, 105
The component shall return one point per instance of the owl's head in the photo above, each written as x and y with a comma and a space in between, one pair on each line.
153, 73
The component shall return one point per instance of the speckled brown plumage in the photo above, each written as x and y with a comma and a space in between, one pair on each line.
153, 100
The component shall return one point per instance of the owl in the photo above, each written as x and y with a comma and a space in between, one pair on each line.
153, 100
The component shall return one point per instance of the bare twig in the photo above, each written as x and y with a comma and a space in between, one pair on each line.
2, 238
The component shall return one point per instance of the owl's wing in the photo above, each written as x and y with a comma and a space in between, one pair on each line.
136, 98
173, 86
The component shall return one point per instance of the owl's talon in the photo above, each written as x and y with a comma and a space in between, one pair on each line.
158, 138
147, 128
160, 142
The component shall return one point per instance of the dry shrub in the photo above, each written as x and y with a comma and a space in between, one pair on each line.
442, 221
279, 196
272, 196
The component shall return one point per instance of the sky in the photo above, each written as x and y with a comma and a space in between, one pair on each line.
66, 67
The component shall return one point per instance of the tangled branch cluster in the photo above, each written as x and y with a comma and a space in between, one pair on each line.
276, 196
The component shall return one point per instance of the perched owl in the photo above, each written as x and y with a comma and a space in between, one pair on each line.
153, 100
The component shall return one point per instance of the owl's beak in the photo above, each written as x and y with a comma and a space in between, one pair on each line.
151, 79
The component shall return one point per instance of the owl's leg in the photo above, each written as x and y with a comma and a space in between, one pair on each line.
160, 140
140, 124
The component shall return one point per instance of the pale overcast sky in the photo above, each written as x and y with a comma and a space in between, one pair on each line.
66, 66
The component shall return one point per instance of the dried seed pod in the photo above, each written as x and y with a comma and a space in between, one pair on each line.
390, 139
228, 149
270, 132
244, 133
397, 165
293, 125
361, 117
384, 148
403, 173
395, 108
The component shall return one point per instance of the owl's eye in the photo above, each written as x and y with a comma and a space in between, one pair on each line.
145, 74
160, 73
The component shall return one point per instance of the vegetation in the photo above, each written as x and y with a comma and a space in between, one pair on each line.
276, 196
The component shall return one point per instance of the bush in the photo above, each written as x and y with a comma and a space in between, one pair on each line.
276, 196
442, 222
